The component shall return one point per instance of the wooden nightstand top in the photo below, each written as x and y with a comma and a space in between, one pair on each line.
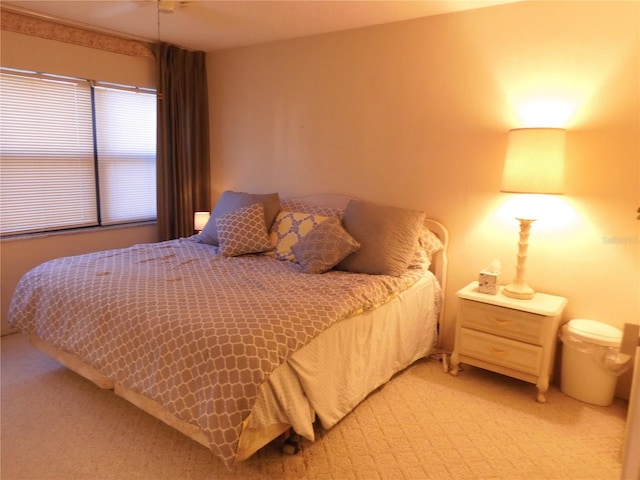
541, 303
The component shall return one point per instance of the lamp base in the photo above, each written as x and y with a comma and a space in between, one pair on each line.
521, 291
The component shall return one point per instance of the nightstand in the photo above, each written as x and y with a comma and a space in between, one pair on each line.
508, 336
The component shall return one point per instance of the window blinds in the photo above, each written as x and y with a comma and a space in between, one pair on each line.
46, 154
53, 175
126, 141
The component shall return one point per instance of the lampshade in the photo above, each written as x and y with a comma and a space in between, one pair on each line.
200, 219
535, 161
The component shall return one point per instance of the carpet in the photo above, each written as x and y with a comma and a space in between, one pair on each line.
423, 424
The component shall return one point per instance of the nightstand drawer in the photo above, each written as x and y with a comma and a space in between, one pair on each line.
505, 322
500, 351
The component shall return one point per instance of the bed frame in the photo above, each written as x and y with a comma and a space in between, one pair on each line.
246, 446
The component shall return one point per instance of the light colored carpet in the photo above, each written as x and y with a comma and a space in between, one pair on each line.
423, 424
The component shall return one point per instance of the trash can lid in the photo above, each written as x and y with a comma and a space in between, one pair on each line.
595, 332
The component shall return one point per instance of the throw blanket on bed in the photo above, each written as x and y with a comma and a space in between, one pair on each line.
193, 330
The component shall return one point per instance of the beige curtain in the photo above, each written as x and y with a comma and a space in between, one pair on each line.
183, 140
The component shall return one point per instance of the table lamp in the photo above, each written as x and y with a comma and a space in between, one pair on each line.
534, 164
200, 219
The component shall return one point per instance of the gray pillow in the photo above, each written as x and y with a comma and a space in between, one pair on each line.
231, 201
388, 237
324, 246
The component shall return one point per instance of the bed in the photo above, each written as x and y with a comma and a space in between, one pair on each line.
235, 349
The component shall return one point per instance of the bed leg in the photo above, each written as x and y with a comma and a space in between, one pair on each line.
445, 363
292, 441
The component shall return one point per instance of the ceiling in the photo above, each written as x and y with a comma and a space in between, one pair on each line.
212, 25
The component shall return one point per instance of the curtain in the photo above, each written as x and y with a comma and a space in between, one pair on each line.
183, 140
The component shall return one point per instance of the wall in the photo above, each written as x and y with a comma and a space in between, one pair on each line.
416, 114
20, 254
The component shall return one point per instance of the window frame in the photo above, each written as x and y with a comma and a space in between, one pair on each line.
98, 198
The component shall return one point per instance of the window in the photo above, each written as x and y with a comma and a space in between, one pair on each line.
126, 138
74, 154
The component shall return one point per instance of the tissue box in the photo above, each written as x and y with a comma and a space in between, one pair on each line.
488, 283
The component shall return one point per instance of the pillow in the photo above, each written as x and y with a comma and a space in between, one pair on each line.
388, 237
231, 201
291, 205
243, 231
324, 247
420, 259
428, 244
288, 229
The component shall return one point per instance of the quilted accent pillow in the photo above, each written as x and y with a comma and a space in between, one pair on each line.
420, 259
324, 247
288, 229
231, 201
388, 237
243, 231
428, 244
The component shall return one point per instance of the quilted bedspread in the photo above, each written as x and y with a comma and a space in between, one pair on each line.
186, 327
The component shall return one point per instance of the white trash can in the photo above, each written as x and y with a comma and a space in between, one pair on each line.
590, 365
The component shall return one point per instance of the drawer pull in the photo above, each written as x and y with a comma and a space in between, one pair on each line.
497, 351
502, 323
